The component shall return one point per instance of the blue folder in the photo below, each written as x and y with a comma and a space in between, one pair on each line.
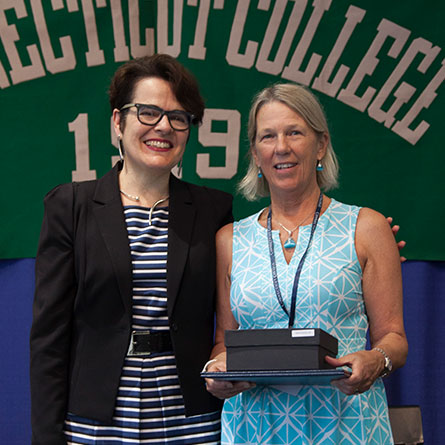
284, 377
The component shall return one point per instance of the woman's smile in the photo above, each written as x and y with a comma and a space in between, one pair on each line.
285, 166
158, 144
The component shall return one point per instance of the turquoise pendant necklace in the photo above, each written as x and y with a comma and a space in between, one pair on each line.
290, 242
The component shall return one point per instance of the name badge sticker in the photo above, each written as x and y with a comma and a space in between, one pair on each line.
303, 333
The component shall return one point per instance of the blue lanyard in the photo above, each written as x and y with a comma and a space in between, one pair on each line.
273, 264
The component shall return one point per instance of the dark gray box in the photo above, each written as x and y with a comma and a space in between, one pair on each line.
278, 349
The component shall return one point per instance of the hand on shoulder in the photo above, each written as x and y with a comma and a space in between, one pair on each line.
395, 230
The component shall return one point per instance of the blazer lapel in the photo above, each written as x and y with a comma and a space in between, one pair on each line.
181, 220
108, 211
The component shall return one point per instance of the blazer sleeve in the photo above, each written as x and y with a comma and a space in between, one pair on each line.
192, 318
52, 318
227, 210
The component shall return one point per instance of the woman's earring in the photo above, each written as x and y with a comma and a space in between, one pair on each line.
119, 147
179, 168
260, 173
319, 166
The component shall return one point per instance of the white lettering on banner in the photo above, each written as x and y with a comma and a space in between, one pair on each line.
72, 5
233, 56
405, 91
4, 82
198, 50
275, 67
53, 64
229, 140
354, 16
292, 71
94, 55
9, 35
82, 149
370, 61
121, 52
386, 102
137, 49
162, 27
424, 101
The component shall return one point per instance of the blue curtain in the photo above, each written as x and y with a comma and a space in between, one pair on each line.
16, 295
420, 382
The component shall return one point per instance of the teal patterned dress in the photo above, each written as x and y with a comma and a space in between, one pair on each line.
329, 297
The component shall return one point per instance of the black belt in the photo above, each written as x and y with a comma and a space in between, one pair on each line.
146, 342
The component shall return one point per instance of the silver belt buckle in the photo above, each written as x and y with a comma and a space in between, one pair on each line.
131, 349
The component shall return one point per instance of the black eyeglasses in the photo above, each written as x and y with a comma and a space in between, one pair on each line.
151, 115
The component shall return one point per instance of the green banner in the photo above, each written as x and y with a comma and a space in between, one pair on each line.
378, 68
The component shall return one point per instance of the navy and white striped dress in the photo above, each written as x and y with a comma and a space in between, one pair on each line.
149, 406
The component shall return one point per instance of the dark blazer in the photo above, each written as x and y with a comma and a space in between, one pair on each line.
82, 311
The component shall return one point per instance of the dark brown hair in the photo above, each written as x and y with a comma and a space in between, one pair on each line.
182, 82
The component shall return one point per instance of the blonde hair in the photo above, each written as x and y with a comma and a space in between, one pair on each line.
302, 101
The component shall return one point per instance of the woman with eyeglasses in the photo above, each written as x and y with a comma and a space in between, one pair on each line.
123, 316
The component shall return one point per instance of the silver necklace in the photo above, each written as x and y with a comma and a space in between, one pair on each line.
137, 198
132, 197
150, 213
290, 242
